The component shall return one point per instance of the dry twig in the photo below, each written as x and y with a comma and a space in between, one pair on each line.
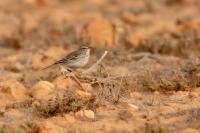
69, 73
95, 64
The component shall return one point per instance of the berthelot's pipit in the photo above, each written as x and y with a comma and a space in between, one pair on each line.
76, 59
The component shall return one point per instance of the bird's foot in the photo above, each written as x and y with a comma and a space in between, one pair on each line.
66, 71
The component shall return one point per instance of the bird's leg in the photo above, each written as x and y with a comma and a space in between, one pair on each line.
74, 77
67, 72
64, 71
94, 66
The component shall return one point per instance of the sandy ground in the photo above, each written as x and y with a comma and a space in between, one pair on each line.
148, 82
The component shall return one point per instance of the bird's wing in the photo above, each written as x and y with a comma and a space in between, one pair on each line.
71, 56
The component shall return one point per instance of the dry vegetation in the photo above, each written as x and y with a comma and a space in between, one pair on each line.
149, 81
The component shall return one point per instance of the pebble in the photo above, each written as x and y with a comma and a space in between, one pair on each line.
41, 89
85, 115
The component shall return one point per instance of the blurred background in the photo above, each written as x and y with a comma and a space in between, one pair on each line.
153, 61
51, 27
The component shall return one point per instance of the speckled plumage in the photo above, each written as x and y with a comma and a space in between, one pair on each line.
76, 59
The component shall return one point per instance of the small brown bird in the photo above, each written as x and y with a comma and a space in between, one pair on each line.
76, 59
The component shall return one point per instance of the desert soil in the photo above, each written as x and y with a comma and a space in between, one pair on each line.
147, 83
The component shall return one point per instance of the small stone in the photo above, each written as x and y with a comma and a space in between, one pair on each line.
41, 89
85, 115
79, 114
89, 114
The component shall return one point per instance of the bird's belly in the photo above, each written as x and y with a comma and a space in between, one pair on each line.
77, 64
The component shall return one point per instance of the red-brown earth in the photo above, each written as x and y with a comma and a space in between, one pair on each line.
148, 82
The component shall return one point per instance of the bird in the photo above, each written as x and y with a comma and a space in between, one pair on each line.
76, 59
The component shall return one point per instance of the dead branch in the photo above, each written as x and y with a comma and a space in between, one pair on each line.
95, 64
69, 73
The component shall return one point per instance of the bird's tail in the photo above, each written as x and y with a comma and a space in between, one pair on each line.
47, 67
